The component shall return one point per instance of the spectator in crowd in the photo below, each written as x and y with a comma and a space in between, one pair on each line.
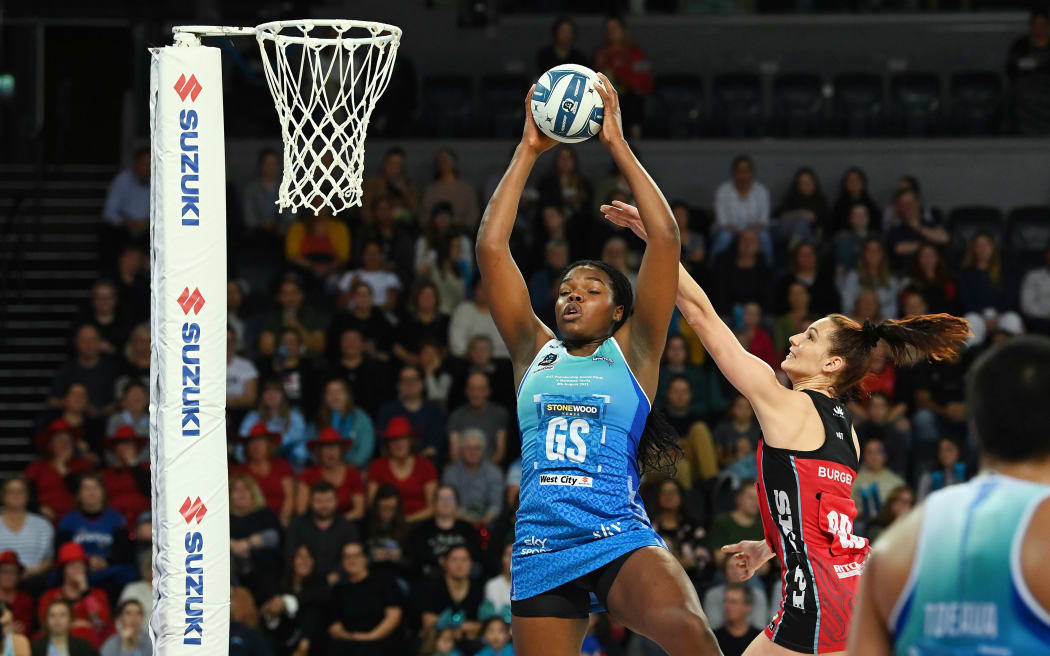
866, 306
453, 591
565, 187
364, 316
294, 370
90, 617
441, 641
321, 530
338, 411
742, 464
134, 409
740, 422
910, 227
684, 537
132, 283
103, 534
242, 378
387, 532
291, 312
413, 475
741, 204
437, 373
849, 240
628, 69
753, 336
77, 421
741, 523
543, 283
236, 319
424, 320
393, 184
552, 227
744, 274
131, 638
281, 418
134, 359
449, 188
142, 589
984, 281
479, 357
948, 469
872, 273
478, 482
699, 461
495, 633
804, 267
438, 232
366, 376
29, 536
874, 481
394, 238
888, 423
853, 191
263, 221
562, 49
706, 398
384, 284
273, 475
15, 600
1028, 69
255, 537
14, 641
329, 453
127, 481
497, 588
1035, 297
432, 538
317, 245
52, 474
245, 639
490, 419
898, 504
738, 630
454, 273
791, 322
89, 367
616, 254
891, 217
126, 211
881, 378
803, 212
104, 313
427, 419
930, 278
716, 596
59, 620
367, 609
292, 618
694, 246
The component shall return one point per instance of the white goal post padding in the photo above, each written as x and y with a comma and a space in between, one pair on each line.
191, 531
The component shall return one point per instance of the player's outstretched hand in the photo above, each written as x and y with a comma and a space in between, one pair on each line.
532, 138
626, 216
612, 125
748, 556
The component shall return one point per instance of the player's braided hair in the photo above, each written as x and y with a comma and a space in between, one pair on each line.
658, 448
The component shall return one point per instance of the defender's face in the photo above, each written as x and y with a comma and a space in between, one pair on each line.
585, 309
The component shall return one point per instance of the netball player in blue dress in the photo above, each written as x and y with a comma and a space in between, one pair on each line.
582, 537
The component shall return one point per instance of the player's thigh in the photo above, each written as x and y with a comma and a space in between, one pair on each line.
763, 646
543, 636
649, 585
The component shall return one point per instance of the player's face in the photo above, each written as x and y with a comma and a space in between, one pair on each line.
585, 309
808, 354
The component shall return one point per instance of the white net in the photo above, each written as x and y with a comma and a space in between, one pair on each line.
325, 77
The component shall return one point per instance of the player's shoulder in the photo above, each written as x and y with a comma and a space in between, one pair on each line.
1035, 557
891, 561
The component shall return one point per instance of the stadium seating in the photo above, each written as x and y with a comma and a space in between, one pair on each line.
503, 101
1029, 230
965, 222
737, 105
975, 102
676, 107
915, 105
448, 100
798, 105
858, 105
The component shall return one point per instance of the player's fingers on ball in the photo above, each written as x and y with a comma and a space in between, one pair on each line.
528, 97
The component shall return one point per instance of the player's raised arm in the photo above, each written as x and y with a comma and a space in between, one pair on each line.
747, 373
508, 295
658, 275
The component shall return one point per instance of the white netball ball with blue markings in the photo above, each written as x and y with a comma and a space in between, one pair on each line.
565, 104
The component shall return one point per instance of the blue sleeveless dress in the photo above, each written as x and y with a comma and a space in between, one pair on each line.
581, 418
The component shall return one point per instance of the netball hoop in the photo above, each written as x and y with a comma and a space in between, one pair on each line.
325, 77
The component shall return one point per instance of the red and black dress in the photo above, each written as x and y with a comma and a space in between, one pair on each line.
807, 516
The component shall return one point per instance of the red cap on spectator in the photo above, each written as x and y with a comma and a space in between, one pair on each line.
71, 552
10, 558
124, 434
399, 427
262, 430
330, 436
43, 438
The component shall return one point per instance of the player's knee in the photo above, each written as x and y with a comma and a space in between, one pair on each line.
681, 621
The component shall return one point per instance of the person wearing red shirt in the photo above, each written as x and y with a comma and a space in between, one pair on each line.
91, 617
20, 602
413, 476
50, 473
628, 68
127, 482
274, 475
328, 451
